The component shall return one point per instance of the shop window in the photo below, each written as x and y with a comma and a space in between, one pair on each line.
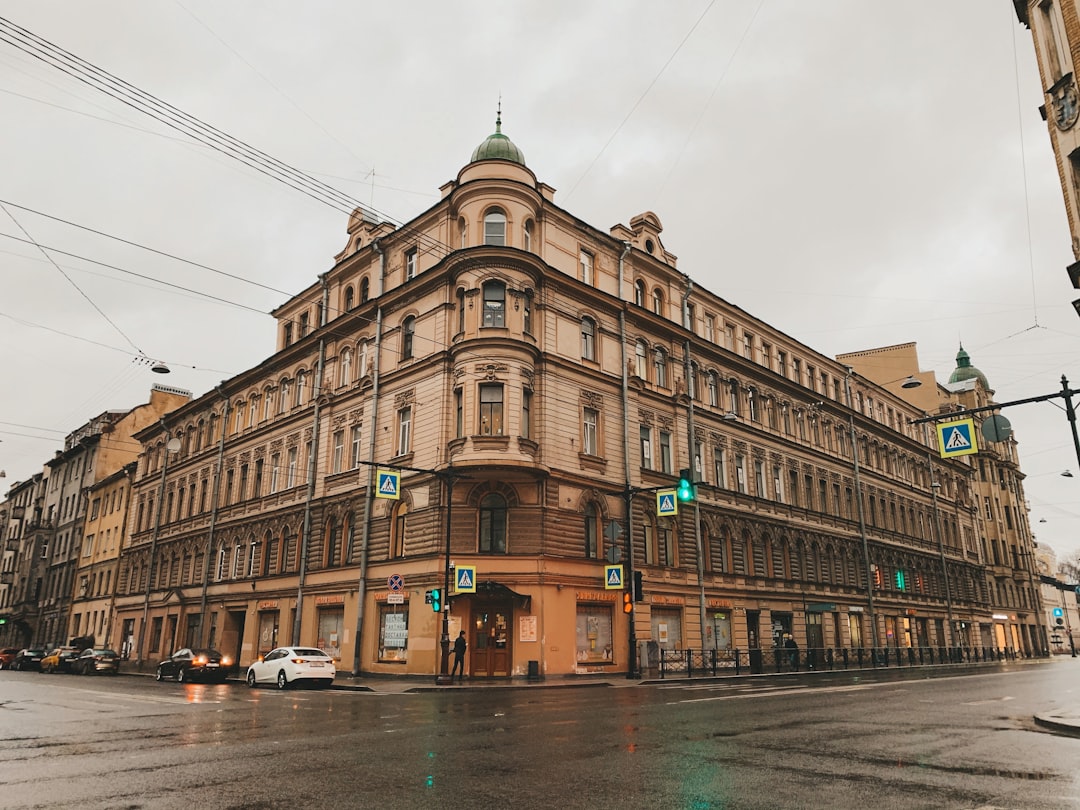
393, 633
594, 634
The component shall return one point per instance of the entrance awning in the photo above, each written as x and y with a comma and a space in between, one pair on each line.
489, 589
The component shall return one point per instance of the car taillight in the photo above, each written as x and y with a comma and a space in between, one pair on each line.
299, 660
200, 659
226, 661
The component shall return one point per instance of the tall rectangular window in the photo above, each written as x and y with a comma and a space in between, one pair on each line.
589, 435
491, 410
526, 413
404, 430
645, 437
275, 472
759, 479
494, 304
226, 496
459, 413
748, 346
588, 339
720, 467
781, 363
290, 466
777, 483
740, 473
710, 328
338, 453
699, 469
665, 452
587, 268
410, 264
256, 485
354, 447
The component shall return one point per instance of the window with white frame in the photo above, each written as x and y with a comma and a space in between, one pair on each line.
284, 390
346, 367
641, 362
410, 264
301, 388
639, 293
495, 227
292, 457
275, 472
710, 328
268, 404
354, 447
408, 329
338, 452
658, 301
404, 430
586, 261
714, 390
740, 473
590, 432
720, 467
491, 409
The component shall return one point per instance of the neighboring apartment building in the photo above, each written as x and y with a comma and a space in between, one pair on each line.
52, 545
1002, 543
1055, 32
26, 532
99, 557
534, 381
1061, 614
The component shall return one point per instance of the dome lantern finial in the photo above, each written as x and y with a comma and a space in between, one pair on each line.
497, 146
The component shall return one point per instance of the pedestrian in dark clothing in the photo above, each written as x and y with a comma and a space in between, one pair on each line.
792, 651
459, 657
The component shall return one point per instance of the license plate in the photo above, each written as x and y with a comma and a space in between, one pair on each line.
315, 664
211, 666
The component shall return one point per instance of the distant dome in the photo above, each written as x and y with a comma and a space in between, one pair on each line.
965, 371
498, 147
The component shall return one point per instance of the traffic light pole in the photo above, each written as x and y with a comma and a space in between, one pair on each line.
444, 678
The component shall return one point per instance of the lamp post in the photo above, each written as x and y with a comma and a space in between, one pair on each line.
172, 445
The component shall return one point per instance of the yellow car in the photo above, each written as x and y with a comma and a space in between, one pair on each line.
61, 659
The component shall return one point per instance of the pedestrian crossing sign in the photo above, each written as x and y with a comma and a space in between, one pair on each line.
389, 484
666, 503
613, 578
957, 438
465, 579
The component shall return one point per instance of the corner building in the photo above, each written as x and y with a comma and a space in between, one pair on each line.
534, 380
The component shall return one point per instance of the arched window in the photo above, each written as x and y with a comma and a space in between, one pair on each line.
495, 227
349, 301
639, 293
346, 367
641, 363
301, 388
223, 557
592, 531
333, 544
494, 303
365, 290
588, 339
527, 235
493, 524
714, 390
408, 329
284, 390
658, 301
660, 367
363, 359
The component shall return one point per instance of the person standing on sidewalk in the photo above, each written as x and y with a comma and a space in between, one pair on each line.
459, 656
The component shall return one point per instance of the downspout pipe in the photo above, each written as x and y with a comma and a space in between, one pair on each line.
305, 541
214, 506
688, 372
369, 490
632, 670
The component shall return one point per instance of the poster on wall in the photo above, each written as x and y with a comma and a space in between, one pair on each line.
527, 628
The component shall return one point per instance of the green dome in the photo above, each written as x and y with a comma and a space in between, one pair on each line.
498, 147
965, 371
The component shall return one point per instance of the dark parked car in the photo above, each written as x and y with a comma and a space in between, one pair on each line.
94, 660
60, 659
7, 655
195, 665
28, 659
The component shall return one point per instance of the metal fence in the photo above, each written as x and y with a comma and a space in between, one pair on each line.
716, 663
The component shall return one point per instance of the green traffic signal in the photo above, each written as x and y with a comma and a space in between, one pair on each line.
436, 600
685, 492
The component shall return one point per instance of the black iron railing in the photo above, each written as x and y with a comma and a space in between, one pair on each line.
714, 663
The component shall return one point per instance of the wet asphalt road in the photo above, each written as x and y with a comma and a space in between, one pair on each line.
829, 741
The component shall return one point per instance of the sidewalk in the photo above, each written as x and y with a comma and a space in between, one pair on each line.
1065, 721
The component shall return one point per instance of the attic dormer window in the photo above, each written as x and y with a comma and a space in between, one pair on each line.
649, 246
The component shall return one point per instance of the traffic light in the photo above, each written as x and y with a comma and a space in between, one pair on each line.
685, 491
638, 593
901, 580
436, 600
3, 619
627, 602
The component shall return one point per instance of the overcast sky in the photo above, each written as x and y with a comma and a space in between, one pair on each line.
856, 174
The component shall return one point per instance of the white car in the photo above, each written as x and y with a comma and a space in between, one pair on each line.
286, 665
